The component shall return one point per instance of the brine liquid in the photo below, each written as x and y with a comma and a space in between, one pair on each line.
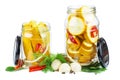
81, 35
35, 43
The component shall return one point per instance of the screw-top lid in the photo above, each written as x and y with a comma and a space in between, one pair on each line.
103, 53
16, 52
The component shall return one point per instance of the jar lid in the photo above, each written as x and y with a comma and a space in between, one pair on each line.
103, 53
16, 52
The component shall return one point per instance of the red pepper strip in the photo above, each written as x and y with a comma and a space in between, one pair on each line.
36, 68
19, 65
94, 31
72, 39
38, 46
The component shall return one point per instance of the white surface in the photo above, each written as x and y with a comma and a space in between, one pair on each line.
15, 12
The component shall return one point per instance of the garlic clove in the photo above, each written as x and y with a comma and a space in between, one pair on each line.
75, 67
56, 64
64, 68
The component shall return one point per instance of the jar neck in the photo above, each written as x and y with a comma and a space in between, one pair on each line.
42, 27
78, 10
36, 30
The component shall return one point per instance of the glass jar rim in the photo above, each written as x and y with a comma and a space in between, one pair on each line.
72, 9
46, 23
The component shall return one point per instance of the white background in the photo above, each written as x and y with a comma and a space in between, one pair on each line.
14, 12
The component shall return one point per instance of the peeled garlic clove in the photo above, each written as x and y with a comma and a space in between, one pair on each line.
56, 64
75, 67
64, 68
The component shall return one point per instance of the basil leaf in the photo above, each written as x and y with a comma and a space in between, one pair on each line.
61, 58
10, 68
36, 55
93, 67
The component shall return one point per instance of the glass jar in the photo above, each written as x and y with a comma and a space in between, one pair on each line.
34, 43
82, 34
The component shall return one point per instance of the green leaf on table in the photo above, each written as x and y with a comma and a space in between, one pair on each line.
61, 58
93, 67
10, 68
47, 61
48, 68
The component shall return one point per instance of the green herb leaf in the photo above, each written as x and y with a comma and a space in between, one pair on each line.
52, 57
61, 58
36, 55
47, 61
10, 68
93, 67
48, 68
93, 70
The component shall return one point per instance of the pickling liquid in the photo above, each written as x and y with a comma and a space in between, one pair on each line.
81, 34
35, 40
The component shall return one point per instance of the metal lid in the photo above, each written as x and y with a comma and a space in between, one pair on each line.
16, 52
103, 53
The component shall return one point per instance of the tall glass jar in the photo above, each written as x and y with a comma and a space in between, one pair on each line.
82, 34
35, 42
